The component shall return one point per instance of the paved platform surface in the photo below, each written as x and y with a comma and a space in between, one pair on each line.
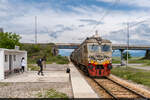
52, 73
31, 76
29, 84
81, 89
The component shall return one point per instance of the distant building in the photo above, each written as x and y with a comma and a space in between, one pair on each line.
1, 30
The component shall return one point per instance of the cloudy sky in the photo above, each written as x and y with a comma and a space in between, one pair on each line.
73, 20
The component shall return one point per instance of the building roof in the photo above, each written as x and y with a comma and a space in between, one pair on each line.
12, 50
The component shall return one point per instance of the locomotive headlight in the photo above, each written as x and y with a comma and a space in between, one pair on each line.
91, 61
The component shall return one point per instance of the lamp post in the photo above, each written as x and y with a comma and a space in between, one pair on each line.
128, 36
127, 43
35, 30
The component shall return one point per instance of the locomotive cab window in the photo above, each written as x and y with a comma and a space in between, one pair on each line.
93, 48
105, 48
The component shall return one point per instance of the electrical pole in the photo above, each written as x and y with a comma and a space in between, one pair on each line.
35, 30
127, 43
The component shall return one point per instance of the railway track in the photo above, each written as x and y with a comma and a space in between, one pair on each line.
116, 90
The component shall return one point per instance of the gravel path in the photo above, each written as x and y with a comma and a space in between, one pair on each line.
137, 66
145, 67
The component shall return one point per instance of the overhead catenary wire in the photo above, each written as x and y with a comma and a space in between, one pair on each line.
129, 34
135, 24
139, 23
131, 25
105, 14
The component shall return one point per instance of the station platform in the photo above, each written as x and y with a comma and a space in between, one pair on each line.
80, 87
31, 76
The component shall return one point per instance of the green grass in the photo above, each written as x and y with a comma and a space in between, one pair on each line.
136, 75
33, 68
141, 61
37, 51
115, 60
146, 62
58, 60
39, 94
4, 84
51, 93
53, 59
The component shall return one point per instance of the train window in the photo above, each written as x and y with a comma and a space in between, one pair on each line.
105, 48
93, 48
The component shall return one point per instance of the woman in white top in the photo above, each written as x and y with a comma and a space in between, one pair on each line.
23, 64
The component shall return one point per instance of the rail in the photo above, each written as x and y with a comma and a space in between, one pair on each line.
108, 91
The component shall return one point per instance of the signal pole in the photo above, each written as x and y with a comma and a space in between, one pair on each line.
127, 42
35, 30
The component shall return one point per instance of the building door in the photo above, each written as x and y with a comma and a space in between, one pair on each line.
10, 62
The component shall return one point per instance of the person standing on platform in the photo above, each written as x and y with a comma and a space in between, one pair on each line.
23, 64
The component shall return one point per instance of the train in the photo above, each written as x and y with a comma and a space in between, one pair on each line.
94, 56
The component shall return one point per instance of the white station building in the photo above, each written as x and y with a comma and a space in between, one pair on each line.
10, 61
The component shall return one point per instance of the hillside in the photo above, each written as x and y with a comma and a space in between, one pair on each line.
36, 51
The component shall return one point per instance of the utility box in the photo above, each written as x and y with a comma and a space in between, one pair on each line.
10, 61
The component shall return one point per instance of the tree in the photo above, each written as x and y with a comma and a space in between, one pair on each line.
9, 40
125, 55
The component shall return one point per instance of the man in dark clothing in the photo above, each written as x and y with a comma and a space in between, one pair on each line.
40, 63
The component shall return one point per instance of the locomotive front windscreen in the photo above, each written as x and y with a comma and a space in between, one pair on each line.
93, 48
105, 48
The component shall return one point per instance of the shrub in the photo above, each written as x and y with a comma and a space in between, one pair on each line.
125, 55
51, 93
33, 68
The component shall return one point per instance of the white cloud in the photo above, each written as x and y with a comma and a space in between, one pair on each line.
21, 20
139, 3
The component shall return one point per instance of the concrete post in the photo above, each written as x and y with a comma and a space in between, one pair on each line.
147, 55
121, 50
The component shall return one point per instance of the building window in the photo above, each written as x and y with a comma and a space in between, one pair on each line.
6, 58
14, 57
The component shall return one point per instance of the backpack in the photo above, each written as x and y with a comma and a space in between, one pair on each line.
38, 62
